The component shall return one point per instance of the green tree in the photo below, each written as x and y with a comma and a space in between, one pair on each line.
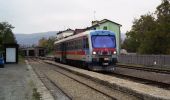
43, 42
163, 26
47, 43
139, 33
149, 34
51, 44
6, 34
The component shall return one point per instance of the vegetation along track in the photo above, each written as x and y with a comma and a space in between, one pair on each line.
78, 87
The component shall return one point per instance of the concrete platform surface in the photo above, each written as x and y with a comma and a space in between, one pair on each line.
17, 82
143, 91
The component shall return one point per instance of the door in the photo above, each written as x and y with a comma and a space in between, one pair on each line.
63, 53
11, 55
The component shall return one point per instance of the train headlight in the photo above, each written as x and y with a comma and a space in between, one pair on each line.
114, 52
94, 52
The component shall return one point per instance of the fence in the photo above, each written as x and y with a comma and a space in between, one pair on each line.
160, 60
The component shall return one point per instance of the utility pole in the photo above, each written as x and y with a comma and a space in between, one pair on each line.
94, 15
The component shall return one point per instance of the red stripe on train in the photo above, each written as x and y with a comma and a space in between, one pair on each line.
72, 52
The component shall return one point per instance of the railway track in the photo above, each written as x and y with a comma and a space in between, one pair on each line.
77, 87
149, 69
153, 78
142, 80
161, 83
56, 91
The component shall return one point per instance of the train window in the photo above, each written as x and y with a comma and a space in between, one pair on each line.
72, 45
80, 46
60, 47
76, 44
85, 43
103, 41
56, 47
66, 45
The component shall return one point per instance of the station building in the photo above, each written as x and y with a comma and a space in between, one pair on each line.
34, 51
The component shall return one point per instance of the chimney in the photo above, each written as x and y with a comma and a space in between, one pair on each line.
95, 22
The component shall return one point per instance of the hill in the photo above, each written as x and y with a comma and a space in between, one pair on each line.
30, 39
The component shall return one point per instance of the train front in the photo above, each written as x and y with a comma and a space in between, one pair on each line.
103, 50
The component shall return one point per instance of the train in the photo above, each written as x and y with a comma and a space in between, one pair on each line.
94, 50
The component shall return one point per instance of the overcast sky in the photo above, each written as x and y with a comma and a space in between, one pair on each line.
31, 16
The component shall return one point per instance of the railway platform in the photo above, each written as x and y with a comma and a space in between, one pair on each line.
143, 91
17, 82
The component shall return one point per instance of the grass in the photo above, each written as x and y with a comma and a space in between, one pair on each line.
21, 59
36, 95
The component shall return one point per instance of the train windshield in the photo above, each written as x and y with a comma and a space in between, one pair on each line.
99, 41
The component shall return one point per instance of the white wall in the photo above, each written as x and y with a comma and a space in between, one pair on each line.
11, 55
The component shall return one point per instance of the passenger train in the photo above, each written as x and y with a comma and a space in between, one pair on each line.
95, 50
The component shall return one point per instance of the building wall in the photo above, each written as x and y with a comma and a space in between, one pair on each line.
114, 28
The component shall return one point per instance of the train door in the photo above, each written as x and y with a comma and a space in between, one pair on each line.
63, 55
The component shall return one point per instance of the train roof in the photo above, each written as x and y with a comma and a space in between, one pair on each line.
92, 32
102, 32
72, 37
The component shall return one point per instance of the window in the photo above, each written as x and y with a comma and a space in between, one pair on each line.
99, 41
85, 43
105, 28
94, 28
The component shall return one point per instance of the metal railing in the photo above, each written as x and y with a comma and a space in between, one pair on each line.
159, 60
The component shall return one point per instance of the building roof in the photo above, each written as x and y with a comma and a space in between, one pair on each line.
76, 31
65, 31
106, 20
101, 22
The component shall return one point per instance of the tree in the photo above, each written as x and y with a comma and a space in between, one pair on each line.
43, 42
47, 43
163, 26
139, 33
149, 34
6, 34
51, 44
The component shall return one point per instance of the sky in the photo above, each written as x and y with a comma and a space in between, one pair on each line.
32, 16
